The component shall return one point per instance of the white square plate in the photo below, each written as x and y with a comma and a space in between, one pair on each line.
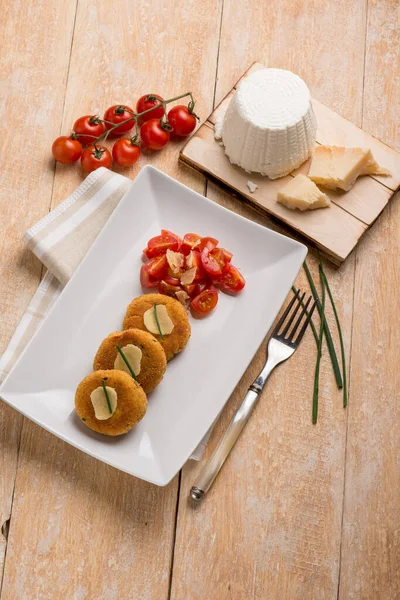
199, 381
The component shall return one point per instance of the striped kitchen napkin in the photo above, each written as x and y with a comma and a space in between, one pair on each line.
60, 240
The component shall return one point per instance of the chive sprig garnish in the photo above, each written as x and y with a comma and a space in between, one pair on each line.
107, 397
157, 321
326, 329
343, 355
319, 353
126, 361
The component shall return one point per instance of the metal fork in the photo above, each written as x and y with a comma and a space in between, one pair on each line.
281, 346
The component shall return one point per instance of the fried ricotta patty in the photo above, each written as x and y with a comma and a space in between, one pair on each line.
131, 401
172, 343
153, 362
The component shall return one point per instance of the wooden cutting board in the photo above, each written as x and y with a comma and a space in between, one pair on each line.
335, 230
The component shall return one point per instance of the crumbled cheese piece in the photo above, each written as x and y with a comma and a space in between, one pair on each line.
133, 355
164, 320
100, 404
300, 192
182, 296
336, 167
252, 186
175, 261
188, 276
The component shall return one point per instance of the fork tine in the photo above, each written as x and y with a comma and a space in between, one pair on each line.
285, 314
303, 312
302, 330
300, 302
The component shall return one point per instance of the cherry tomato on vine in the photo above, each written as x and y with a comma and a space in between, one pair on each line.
181, 120
145, 103
126, 152
66, 150
89, 128
153, 134
118, 114
94, 157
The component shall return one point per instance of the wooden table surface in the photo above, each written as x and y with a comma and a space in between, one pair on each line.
300, 512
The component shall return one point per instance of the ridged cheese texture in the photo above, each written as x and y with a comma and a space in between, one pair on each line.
270, 126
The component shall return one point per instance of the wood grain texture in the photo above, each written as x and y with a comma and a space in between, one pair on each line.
270, 526
34, 49
370, 568
97, 533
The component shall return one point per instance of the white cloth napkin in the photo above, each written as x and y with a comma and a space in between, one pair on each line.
60, 240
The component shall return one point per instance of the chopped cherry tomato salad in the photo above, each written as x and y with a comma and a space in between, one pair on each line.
192, 269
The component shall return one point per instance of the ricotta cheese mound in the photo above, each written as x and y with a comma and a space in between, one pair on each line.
270, 126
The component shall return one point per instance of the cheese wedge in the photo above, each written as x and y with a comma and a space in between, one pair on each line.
100, 404
301, 193
336, 167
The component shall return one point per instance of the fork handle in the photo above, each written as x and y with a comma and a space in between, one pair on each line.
212, 467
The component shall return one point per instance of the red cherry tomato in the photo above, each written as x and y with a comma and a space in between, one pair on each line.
172, 280
88, 129
181, 120
153, 135
168, 289
125, 152
145, 103
206, 301
95, 157
145, 280
118, 114
188, 242
178, 239
160, 244
157, 267
66, 150
232, 280
227, 255
219, 256
208, 242
212, 267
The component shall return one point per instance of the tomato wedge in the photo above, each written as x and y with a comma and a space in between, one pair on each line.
208, 242
168, 289
178, 239
189, 241
227, 255
172, 280
212, 267
160, 244
232, 280
206, 301
219, 256
145, 280
194, 260
157, 267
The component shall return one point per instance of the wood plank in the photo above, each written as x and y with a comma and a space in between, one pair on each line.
81, 529
34, 38
371, 543
334, 231
270, 527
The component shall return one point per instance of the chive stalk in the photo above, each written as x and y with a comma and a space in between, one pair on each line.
107, 397
122, 353
157, 321
318, 363
329, 341
343, 356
